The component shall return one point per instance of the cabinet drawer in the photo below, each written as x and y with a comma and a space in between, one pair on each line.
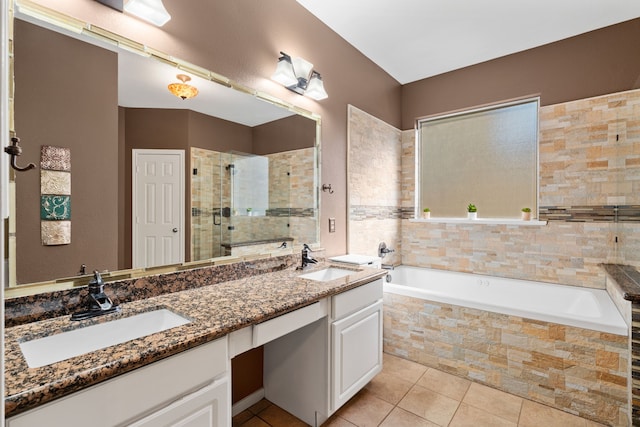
282, 325
355, 299
209, 406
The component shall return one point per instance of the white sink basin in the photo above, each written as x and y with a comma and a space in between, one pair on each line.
327, 274
54, 348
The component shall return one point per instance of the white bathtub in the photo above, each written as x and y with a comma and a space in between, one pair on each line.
567, 305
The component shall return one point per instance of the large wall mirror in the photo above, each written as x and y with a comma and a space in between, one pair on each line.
249, 168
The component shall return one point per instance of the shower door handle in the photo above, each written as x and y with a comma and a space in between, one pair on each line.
217, 215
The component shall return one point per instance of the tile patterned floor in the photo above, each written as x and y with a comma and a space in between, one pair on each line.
407, 394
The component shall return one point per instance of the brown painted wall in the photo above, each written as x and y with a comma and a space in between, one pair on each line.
123, 196
595, 63
290, 133
216, 134
86, 86
241, 39
150, 128
246, 373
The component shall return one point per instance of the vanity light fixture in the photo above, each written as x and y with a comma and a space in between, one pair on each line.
183, 90
298, 75
152, 11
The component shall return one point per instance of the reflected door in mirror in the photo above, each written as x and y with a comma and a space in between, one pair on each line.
158, 195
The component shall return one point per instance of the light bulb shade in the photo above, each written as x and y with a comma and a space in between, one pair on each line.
150, 10
284, 73
315, 88
302, 68
183, 90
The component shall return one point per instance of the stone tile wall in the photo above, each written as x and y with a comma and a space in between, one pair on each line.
589, 165
590, 151
580, 371
374, 186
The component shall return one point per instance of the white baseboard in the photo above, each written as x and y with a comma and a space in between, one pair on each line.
247, 402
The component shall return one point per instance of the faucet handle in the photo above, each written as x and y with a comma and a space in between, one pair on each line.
306, 247
96, 285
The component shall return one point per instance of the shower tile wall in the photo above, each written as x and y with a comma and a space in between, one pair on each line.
589, 162
374, 185
291, 201
291, 213
303, 194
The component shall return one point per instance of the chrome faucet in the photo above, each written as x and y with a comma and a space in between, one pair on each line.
99, 303
306, 259
99, 300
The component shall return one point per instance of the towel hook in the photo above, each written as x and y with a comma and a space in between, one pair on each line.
327, 187
14, 150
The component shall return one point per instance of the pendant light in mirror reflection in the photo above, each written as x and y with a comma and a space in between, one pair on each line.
183, 90
152, 11
298, 75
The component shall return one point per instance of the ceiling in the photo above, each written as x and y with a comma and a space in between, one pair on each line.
415, 39
142, 83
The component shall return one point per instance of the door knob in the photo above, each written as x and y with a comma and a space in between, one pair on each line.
175, 230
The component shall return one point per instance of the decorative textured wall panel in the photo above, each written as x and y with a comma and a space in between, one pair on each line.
55, 195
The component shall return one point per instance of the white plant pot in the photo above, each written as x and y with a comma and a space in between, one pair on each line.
526, 216
472, 215
426, 215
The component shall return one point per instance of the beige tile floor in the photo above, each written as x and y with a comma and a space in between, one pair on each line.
412, 395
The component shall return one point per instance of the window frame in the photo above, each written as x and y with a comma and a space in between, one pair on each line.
464, 112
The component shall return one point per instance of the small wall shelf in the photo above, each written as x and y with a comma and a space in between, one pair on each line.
491, 221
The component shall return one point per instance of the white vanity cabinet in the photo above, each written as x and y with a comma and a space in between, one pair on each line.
356, 341
189, 389
315, 359
312, 371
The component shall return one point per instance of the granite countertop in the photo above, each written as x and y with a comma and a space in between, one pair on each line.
214, 310
627, 277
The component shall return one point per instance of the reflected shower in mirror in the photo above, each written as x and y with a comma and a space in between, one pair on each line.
101, 103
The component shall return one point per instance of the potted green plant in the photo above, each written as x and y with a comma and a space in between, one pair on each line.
526, 214
426, 213
472, 211
249, 211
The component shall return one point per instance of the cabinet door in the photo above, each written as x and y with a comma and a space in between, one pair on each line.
207, 407
356, 352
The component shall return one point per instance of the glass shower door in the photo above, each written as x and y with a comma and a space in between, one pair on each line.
206, 204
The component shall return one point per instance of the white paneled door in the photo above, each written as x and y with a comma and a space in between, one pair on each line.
158, 207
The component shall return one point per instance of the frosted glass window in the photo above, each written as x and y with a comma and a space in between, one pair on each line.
487, 157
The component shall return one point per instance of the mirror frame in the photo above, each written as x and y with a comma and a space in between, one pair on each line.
64, 22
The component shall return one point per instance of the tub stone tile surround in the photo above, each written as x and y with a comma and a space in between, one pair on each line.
578, 194
577, 370
568, 253
589, 192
